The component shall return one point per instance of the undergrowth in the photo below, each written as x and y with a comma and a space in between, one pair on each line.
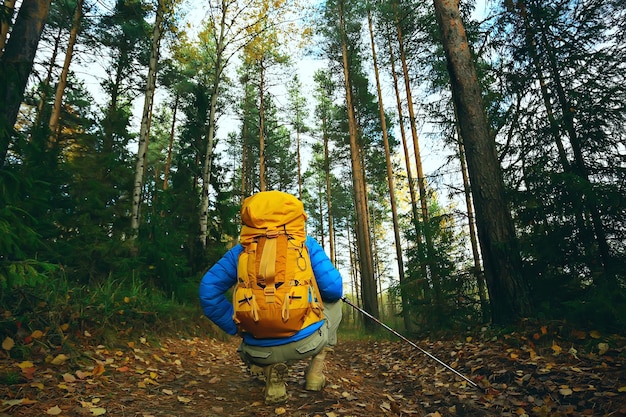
56, 314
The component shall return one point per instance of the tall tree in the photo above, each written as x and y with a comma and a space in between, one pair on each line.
508, 292
60, 91
368, 282
298, 113
16, 64
390, 174
162, 8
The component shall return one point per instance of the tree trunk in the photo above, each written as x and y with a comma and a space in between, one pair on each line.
404, 289
208, 158
329, 206
261, 130
478, 271
430, 252
368, 284
144, 132
16, 64
58, 98
390, 182
45, 85
501, 257
168, 163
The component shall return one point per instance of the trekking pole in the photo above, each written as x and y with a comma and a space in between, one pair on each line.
430, 355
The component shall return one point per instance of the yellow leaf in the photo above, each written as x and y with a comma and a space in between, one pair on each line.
12, 403
126, 300
168, 392
54, 411
595, 334
65, 326
184, 400
60, 359
98, 411
514, 356
556, 348
25, 364
82, 374
565, 391
37, 334
468, 339
280, 410
603, 348
37, 385
8, 343
154, 375
622, 389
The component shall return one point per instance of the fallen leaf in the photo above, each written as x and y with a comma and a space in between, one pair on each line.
69, 378
98, 411
82, 374
565, 391
168, 392
98, 369
184, 400
54, 411
60, 359
595, 334
603, 348
25, 364
8, 343
280, 410
37, 334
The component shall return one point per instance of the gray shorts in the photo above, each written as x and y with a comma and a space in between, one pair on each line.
309, 346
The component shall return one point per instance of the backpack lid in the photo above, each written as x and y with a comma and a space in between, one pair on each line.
272, 210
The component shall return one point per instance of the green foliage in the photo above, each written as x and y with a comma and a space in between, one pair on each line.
109, 311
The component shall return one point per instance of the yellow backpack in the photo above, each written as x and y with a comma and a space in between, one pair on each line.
276, 293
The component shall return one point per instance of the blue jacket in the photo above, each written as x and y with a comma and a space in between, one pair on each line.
223, 275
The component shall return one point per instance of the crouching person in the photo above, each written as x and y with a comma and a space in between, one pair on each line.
286, 295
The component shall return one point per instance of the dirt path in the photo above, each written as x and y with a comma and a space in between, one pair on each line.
204, 377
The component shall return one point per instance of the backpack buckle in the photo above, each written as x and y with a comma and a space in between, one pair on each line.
269, 292
271, 234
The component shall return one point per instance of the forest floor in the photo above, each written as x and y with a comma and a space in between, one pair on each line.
518, 375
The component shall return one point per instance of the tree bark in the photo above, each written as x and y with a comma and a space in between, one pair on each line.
16, 64
390, 182
423, 198
261, 130
508, 291
168, 163
144, 132
368, 283
58, 98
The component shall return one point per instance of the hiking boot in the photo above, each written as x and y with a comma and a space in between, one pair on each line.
315, 379
275, 387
